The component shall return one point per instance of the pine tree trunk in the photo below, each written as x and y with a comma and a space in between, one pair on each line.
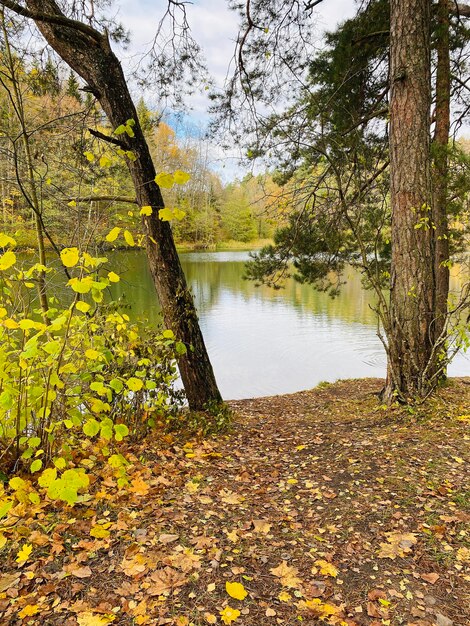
410, 338
441, 167
89, 54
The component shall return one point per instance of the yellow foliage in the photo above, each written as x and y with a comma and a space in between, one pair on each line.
236, 590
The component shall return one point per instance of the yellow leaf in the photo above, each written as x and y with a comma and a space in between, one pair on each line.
463, 555
165, 214
5, 241
134, 384
139, 487
287, 575
83, 307
105, 161
72, 203
29, 610
7, 260
284, 596
229, 615
11, 324
69, 256
146, 210
129, 239
113, 277
327, 569
90, 156
92, 619
236, 590
178, 214
99, 532
181, 177
81, 285
113, 234
24, 553
92, 354
165, 180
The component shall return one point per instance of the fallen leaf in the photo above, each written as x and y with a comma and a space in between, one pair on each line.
236, 590
165, 580
8, 580
430, 578
287, 575
139, 487
134, 566
165, 538
229, 497
261, 526
23, 553
29, 610
92, 619
229, 615
326, 568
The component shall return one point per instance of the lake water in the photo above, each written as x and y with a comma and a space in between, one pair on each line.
263, 341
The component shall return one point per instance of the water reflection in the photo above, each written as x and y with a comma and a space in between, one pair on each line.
264, 341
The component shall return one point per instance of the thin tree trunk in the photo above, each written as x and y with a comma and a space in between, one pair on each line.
441, 170
89, 54
33, 194
410, 341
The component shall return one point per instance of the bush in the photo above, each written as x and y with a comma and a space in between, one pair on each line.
75, 375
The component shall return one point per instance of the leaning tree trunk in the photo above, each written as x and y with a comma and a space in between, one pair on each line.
410, 339
440, 178
88, 52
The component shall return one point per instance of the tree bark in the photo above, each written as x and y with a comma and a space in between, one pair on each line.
89, 54
441, 171
410, 340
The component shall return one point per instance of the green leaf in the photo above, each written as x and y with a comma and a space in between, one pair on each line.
5, 506
116, 384
134, 384
180, 348
117, 460
91, 427
35, 466
121, 431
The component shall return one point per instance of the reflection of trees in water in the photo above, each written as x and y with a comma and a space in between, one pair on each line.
209, 279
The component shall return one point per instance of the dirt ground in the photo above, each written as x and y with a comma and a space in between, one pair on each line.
322, 506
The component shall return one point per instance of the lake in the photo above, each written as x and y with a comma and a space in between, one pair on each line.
263, 341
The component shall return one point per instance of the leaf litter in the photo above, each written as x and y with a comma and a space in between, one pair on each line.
319, 507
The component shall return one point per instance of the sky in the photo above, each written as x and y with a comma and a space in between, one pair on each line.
215, 28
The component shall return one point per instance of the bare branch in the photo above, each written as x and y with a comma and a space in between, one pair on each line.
60, 20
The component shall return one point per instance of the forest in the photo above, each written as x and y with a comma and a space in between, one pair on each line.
134, 489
